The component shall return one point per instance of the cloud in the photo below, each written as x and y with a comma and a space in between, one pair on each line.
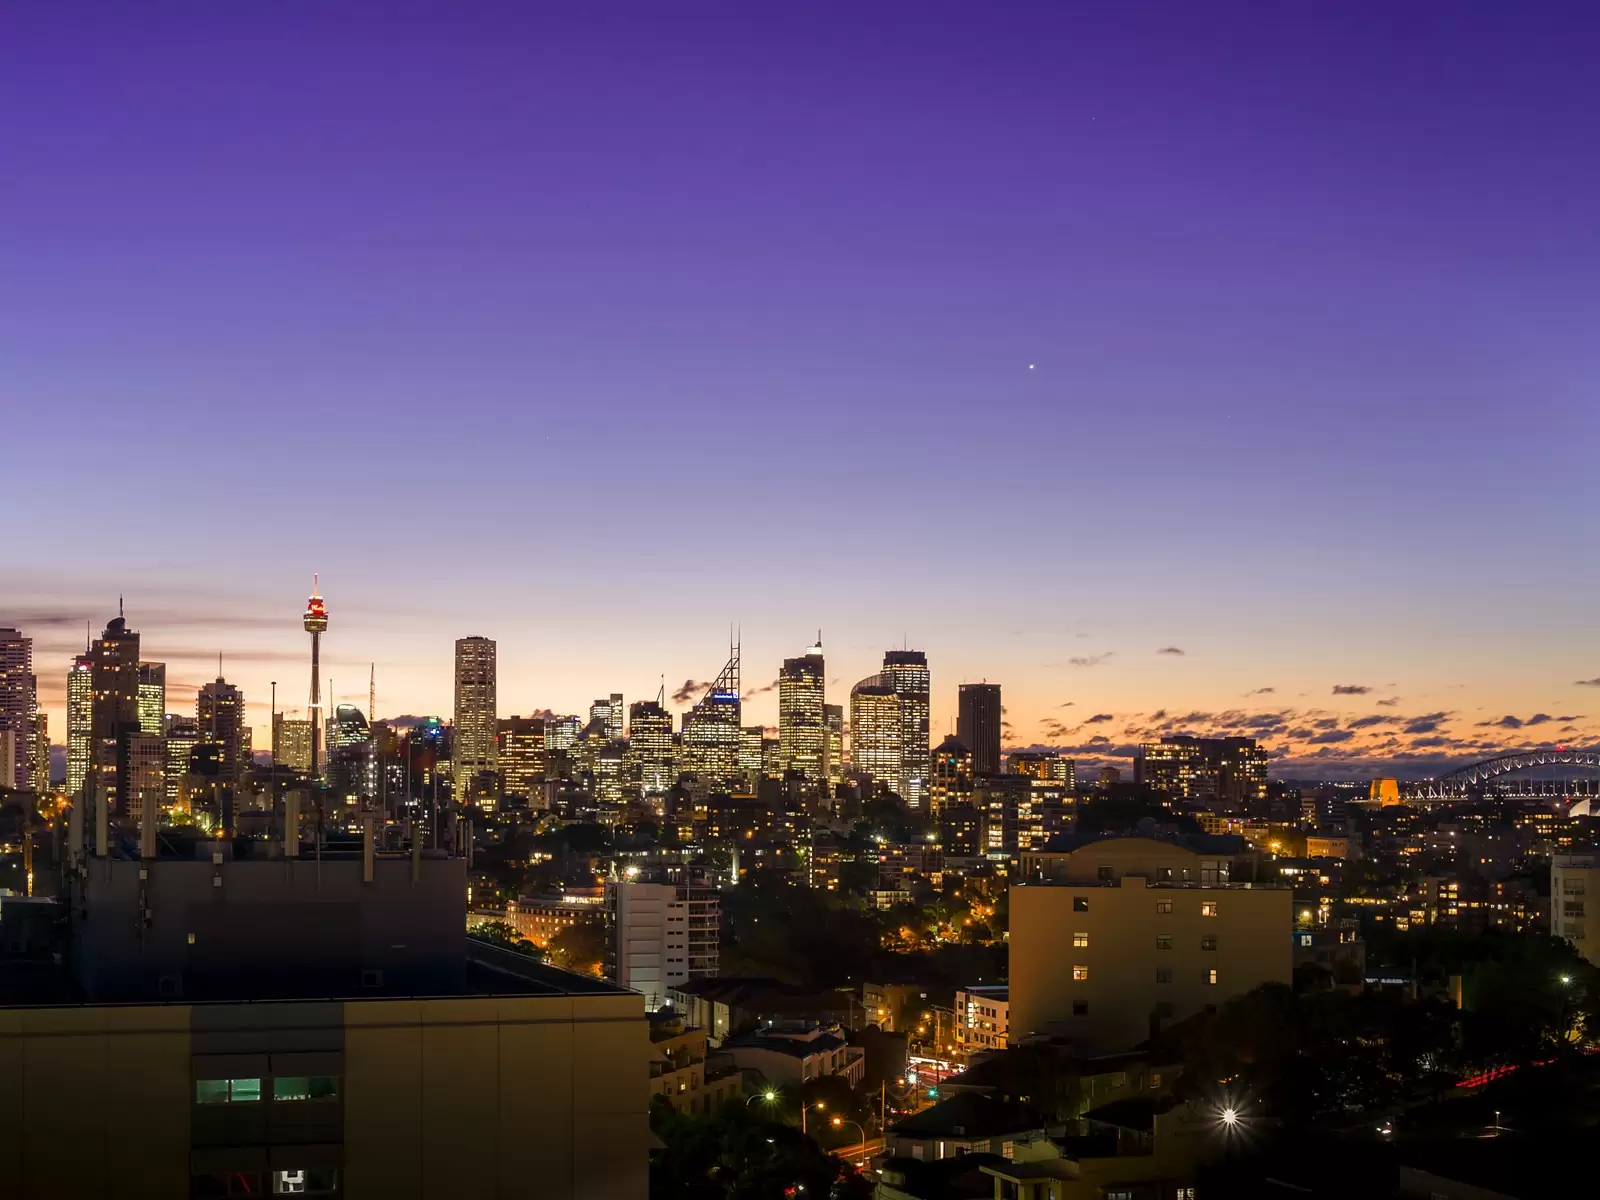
1350, 689
1265, 691
1054, 729
1369, 722
1595, 682
1331, 735
1098, 719
1094, 660
1170, 650
1325, 723
1158, 714
1390, 702
1428, 742
762, 691
1065, 704
1424, 724
689, 691
1505, 722
1539, 719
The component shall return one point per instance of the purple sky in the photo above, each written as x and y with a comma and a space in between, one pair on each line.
593, 328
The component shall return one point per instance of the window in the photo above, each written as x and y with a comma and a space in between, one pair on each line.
1163, 906
227, 1091
1163, 941
1209, 942
1155, 1080
1080, 904
1163, 873
1080, 1008
1183, 1193
1105, 874
1080, 973
1080, 940
1208, 908
1163, 974
1209, 975
306, 1181
304, 1087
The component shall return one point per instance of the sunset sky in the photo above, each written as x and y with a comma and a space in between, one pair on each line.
1231, 363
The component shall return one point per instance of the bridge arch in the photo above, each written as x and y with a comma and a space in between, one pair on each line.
1480, 773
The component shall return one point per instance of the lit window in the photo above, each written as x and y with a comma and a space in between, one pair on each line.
303, 1087
1080, 940
1208, 908
1080, 974
1163, 906
1209, 975
227, 1091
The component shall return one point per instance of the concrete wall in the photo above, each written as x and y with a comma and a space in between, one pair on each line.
542, 1097
1123, 922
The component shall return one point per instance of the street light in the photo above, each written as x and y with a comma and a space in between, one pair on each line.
838, 1121
805, 1108
770, 1096
1230, 1116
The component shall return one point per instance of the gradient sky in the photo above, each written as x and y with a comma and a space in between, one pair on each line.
1043, 335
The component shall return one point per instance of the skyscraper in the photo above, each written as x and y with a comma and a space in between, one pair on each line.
978, 718
352, 766
292, 743
17, 706
1230, 770
114, 657
220, 717
833, 744
907, 672
40, 746
711, 730
147, 773
522, 759
152, 698
475, 755
951, 784
316, 624
877, 727
80, 723
751, 753
802, 727
652, 756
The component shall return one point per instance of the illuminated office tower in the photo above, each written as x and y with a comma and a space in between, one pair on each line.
802, 724
152, 698
907, 672
1046, 766
147, 773
40, 762
609, 711
652, 756
609, 762
522, 759
474, 757
833, 744
600, 710
877, 727
114, 670
16, 707
1230, 770
978, 720
752, 764
711, 730
561, 733
352, 765
951, 784
220, 717
292, 739
182, 736
80, 723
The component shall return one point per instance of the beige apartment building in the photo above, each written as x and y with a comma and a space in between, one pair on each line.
1575, 902
1117, 938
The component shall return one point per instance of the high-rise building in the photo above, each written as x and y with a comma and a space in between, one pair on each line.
833, 744
292, 743
660, 935
952, 776
561, 733
651, 753
711, 731
907, 672
352, 765
220, 717
1044, 765
1231, 770
115, 717
315, 622
522, 759
752, 762
877, 727
152, 698
80, 723
475, 756
147, 773
40, 758
17, 707
978, 720
10, 744
182, 736
802, 719
609, 711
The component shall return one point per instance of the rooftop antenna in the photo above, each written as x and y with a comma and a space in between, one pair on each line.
119, 604
661, 696
219, 665
372, 692
88, 638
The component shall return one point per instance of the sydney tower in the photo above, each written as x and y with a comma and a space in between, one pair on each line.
316, 621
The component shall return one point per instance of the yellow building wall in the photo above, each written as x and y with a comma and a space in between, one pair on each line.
1252, 928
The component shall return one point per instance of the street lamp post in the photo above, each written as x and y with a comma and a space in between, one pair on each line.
838, 1121
805, 1108
770, 1095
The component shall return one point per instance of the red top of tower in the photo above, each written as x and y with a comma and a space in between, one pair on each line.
316, 618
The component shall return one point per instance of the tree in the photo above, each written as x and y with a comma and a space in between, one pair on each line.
505, 935
580, 947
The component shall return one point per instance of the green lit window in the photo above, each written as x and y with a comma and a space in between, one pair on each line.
227, 1091
304, 1087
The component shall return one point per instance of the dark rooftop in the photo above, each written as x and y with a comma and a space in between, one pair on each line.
967, 1115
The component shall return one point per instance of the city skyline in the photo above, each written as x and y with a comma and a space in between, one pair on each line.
1138, 361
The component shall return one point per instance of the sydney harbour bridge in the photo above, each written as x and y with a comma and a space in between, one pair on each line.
1555, 773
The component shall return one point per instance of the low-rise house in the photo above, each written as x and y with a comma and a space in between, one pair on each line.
685, 1073
797, 1057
